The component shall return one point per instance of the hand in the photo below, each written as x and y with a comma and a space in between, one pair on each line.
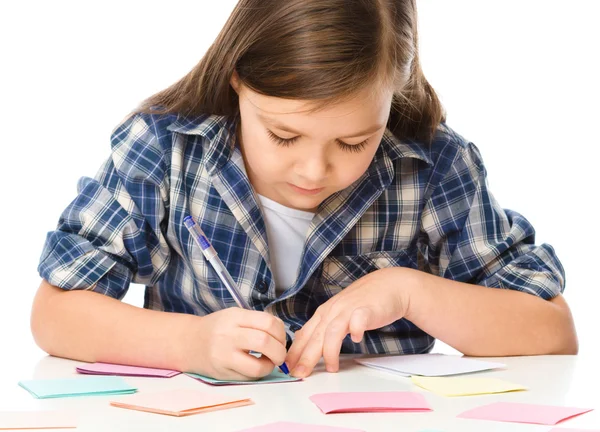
371, 302
218, 344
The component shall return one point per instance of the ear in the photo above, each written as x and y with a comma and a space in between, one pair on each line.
235, 82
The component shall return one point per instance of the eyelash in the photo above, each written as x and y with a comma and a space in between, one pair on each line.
355, 148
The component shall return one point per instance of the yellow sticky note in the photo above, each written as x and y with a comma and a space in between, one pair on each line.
465, 386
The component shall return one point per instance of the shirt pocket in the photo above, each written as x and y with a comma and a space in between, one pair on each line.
340, 272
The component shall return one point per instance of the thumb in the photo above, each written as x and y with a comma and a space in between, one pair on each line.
359, 322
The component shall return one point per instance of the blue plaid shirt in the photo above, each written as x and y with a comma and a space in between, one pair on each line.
417, 206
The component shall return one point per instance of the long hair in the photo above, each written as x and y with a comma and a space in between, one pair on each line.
317, 50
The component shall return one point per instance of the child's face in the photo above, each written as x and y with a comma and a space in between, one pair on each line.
326, 155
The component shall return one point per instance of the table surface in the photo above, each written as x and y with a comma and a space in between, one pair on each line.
554, 380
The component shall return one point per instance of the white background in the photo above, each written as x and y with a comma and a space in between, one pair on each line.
518, 78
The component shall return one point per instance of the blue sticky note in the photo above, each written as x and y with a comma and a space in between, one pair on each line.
274, 377
84, 386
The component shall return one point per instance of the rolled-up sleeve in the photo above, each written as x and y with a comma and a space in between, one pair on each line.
110, 234
471, 239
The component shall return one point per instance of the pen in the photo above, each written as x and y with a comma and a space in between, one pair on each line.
211, 256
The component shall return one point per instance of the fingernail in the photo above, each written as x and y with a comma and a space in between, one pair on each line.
299, 371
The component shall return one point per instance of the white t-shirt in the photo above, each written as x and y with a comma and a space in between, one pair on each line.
286, 232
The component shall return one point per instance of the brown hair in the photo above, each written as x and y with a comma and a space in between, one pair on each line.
321, 50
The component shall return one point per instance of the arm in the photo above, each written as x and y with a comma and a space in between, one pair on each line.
491, 290
91, 327
87, 326
479, 321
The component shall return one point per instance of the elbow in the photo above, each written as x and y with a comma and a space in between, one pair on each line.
569, 345
565, 334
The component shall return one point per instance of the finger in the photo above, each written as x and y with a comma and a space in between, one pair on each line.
247, 339
251, 367
301, 338
265, 322
359, 322
312, 352
332, 343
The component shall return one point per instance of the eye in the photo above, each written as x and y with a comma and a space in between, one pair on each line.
353, 148
285, 142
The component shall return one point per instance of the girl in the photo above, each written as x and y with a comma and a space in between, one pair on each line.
314, 154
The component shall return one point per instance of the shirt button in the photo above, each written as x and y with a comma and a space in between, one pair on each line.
295, 327
263, 287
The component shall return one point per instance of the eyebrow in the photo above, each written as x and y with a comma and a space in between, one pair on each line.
285, 128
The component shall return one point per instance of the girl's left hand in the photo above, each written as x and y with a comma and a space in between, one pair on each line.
371, 302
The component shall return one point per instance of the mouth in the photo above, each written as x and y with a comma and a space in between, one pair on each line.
306, 191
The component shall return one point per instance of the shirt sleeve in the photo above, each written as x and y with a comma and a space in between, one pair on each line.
110, 234
471, 239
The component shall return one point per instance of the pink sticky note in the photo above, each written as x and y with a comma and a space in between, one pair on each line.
122, 370
298, 427
370, 402
179, 402
37, 420
523, 413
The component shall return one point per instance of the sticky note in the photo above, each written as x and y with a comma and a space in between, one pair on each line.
465, 386
180, 402
523, 413
428, 364
84, 386
122, 370
298, 427
350, 402
274, 377
37, 420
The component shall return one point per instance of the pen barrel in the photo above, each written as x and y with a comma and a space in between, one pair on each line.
228, 282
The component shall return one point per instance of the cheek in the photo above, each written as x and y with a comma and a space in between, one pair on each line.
351, 168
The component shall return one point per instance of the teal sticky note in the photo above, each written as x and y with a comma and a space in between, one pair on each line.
84, 386
274, 377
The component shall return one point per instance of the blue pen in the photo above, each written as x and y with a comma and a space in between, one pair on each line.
211, 256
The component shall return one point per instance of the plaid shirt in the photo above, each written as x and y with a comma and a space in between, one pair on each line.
417, 206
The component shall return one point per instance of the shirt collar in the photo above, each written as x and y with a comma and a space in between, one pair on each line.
220, 132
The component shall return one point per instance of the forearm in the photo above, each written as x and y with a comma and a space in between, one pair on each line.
87, 326
482, 321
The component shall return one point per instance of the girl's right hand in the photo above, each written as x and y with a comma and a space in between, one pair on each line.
218, 345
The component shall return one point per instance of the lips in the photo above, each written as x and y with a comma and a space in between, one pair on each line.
306, 191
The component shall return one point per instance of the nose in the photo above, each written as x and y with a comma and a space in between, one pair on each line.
312, 168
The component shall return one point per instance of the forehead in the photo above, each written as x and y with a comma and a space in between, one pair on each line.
370, 103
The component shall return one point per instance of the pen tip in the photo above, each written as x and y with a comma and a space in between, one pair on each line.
284, 369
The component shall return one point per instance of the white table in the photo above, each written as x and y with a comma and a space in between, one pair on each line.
558, 380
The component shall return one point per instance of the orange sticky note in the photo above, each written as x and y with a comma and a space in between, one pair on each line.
180, 402
523, 413
352, 402
37, 420
297, 427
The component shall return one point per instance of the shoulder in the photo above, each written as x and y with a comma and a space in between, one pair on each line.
449, 150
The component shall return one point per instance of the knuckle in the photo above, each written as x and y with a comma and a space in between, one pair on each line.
261, 340
258, 370
335, 328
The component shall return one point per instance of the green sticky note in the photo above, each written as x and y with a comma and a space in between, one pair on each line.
274, 377
84, 386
